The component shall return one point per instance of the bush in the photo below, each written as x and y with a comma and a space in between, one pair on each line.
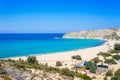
5, 77
32, 60
74, 57
20, 65
117, 57
105, 78
96, 60
83, 76
116, 75
91, 66
117, 46
113, 51
53, 69
77, 57
110, 61
104, 54
109, 73
58, 63
67, 72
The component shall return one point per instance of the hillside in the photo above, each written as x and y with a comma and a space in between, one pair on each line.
112, 34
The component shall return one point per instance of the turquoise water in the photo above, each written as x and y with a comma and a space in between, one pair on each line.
24, 47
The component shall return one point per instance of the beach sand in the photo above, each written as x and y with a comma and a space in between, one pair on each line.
65, 57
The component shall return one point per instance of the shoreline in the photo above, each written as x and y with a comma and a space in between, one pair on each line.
65, 57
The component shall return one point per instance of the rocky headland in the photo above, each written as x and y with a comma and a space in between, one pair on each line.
109, 34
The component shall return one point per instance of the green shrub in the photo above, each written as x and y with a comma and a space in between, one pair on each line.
53, 69
83, 76
20, 65
105, 78
58, 63
117, 57
77, 57
67, 72
109, 73
117, 46
96, 60
104, 54
110, 61
74, 57
32, 60
113, 51
116, 75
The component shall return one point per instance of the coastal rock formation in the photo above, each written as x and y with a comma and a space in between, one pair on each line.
113, 34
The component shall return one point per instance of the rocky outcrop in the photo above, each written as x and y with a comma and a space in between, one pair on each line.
95, 34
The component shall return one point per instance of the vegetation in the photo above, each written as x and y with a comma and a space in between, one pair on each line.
21, 64
116, 75
104, 54
2, 71
96, 60
74, 57
5, 77
32, 60
67, 72
113, 51
83, 76
77, 57
53, 70
117, 46
58, 63
109, 73
92, 66
105, 78
110, 61
117, 57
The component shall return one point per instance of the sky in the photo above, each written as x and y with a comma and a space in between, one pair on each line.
58, 16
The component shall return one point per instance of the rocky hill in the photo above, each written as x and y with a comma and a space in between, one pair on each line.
96, 34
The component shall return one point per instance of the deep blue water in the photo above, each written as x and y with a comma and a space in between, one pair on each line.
12, 45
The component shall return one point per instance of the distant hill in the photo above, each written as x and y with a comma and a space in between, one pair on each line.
109, 34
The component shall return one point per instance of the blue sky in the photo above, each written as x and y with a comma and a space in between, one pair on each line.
58, 16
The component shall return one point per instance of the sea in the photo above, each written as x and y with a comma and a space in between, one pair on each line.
26, 44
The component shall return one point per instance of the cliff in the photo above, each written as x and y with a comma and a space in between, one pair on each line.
113, 34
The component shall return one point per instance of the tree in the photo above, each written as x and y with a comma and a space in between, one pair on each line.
117, 46
91, 66
58, 63
32, 60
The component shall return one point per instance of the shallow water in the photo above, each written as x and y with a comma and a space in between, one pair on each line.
12, 45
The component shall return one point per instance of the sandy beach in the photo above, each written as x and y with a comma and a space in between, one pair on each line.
65, 57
